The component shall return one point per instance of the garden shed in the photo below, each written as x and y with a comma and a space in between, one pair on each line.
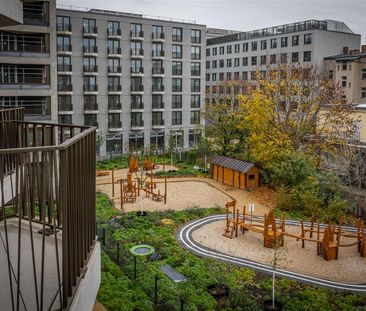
234, 172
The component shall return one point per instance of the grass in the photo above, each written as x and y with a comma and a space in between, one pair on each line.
248, 289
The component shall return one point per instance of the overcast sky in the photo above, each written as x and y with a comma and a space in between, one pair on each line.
241, 14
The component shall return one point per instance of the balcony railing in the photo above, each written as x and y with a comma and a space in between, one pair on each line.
137, 88
115, 50
137, 123
114, 106
91, 122
48, 220
90, 87
159, 53
137, 70
158, 88
64, 27
177, 38
64, 47
64, 88
90, 106
39, 19
137, 52
158, 105
137, 105
65, 107
115, 124
114, 88
90, 68
114, 69
195, 72
137, 34
159, 35
90, 30
158, 71
158, 122
64, 67
114, 32
90, 49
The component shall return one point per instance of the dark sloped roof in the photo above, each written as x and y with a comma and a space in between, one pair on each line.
234, 164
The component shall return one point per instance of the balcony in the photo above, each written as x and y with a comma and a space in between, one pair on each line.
115, 126
137, 53
158, 88
91, 122
64, 68
158, 37
114, 88
137, 89
158, 71
90, 31
41, 239
115, 107
64, 49
137, 107
90, 108
156, 106
90, 50
158, 124
137, 35
90, 89
115, 51
137, 71
65, 108
137, 125
117, 70
158, 54
64, 29
114, 33
35, 14
67, 88
90, 69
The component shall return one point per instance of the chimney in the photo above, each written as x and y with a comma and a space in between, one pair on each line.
345, 50
363, 48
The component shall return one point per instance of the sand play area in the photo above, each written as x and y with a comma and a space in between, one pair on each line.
349, 268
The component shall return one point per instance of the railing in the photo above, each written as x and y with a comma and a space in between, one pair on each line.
137, 69
90, 68
158, 88
137, 34
114, 106
90, 106
115, 124
114, 50
64, 67
64, 107
114, 69
53, 168
90, 30
64, 88
158, 122
158, 53
158, 35
137, 52
138, 123
158, 71
158, 105
114, 32
90, 88
90, 49
137, 88
64, 27
64, 47
137, 105
114, 88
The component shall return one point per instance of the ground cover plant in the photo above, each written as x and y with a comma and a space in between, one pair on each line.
247, 289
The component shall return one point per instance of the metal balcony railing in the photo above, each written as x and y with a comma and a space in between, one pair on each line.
137, 52
159, 71
159, 53
158, 105
115, 50
64, 88
114, 69
137, 105
64, 47
137, 123
137, 34
63, 27
114, 88
65, 107
90, 68
48, 220
90, 87
158, 35
114, 106
90, 49
115, 124
114, 32
137, 88
90, 30
158, 122
137, 70
158, 88
64, 67
90, 106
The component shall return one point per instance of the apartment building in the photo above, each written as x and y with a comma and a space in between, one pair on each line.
28, 58
239, 55
137, 79
348, 70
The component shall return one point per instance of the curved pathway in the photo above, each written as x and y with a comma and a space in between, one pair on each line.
184, 236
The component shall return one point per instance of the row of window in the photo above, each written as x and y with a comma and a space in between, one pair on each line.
331, 72
114, 28
263, 44
263, 60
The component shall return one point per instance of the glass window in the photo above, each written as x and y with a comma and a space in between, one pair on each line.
195, 85
307, 56
245, 47
177, 34
214, 51
263, 44
295, 57
254, 60
195, 52
176, 117
195, 69
283, 42
237, 48
176, 51
229, 49
176, 85
222, 50
207, 52
307, 38
295, 40
254, 45
195, 101
273, 59
195, 36
273, 43
177, 68
176, 101
195, 117
263, 59
245, 61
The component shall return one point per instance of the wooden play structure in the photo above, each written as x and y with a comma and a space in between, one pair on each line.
236, 173
328, 238
148, 164
134, 162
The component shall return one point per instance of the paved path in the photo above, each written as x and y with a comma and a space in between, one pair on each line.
184, 236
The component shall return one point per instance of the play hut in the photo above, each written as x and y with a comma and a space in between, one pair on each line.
234, 172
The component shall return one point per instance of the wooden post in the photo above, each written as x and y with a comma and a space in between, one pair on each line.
166, 188
237, 223
302, 234
121, 191
318, 243
112, 182
312, 227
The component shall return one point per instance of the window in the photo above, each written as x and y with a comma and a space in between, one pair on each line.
195, 85
176, 51
136, 119
176, 85
64, 103
157, 118
136, 30
136, 65
245, 61
90, 45
208, 64
283, 42
89, 25
157, 84
195, 117
295, 40
363, 93
157, 49
214, 51
63, 82
263, 44
307, 38
221, 76
214, 64
114, 28
222, 50
254, 45
214, 77
330, 74
195, 69
307, 56
177, 34
195, 101
114, 84
283, 58
229, 49
237, 48
136, 84
272, 59
228, 76
90, 119
295, 57
273, 43
245, 47
195, 52
177, 68
363, 73
114, 120
114, 145
63, 23
228, 63
90, 64
176, 101
222, 63
344, 81
194, 137
64, 63
195, 36
208, 52
344, 66
157, 67
65, 119
237, 62
136, 141
245, 75
176, 117
263, 59
157, 32
207, 77
136, 48
63, 43
90, 83
114, 102
236, 75
113, 46
254, 60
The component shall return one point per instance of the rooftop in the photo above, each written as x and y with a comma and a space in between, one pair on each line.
234, 164
329, 25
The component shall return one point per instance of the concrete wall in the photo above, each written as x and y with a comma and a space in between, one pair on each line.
11, 12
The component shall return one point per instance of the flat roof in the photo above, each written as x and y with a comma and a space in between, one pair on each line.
345, 57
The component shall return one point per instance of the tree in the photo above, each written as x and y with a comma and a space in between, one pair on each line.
204, 147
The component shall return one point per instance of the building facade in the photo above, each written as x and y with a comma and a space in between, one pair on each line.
28, 60
137, 79
238, 56
348, 70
